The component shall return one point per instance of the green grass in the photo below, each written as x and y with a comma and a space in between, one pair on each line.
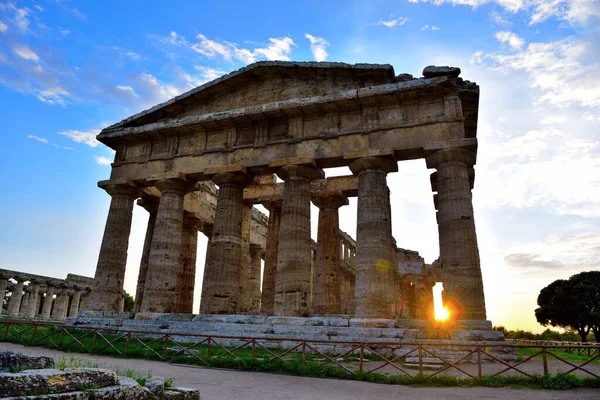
260, 360
524, 352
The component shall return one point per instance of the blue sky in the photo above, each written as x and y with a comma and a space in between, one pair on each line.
70, 68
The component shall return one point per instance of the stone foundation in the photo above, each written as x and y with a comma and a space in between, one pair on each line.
387, 335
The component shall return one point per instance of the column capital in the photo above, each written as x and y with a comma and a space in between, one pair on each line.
231, 179
464, 156
191, 221
120, 189
330, 200
271, 205
149, 203
373, 163
300, 171
174, 185
256, 250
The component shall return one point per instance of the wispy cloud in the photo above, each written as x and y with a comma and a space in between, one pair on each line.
39, 139
101, 160
3, 27
317, 47
26, 53
513, 40
86, 137
430, 28
393, 22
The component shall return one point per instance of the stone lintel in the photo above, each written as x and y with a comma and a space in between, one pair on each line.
383, 153
120, 187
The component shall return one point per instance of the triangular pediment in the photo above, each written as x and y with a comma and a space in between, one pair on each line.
264, 82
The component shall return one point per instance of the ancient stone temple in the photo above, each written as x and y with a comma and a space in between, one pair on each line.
43, 297
200, 161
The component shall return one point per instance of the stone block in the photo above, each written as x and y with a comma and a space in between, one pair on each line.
156, 385
182, 394
372, 322
163, 317
47, 381
11, 361
234, 319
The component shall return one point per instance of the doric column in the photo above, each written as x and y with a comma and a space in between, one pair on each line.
47, 306
151, 205
38, 304
85, 297
122, 303
459, 254
25, 300
163, 265
256, 255
14, 303
293, 280
33, 300
268, 285
187, 259
60, 305
220, 289
374, 244
3, 286
327, 279
110, 271
74, 309
245, 300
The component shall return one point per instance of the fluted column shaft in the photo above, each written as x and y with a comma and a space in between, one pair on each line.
14, 303
245, 300
47, 306
74, 309
294, 259
33, 300
187, 258
220, 289
3, 285
270, 273
163, 265
459, 253
327, 278
151, 205
60, 305
374, 244
110, 271
25, 300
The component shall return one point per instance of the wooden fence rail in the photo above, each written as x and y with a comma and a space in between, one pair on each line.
356, 356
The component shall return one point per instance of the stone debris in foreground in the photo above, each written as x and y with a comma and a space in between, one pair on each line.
77, 383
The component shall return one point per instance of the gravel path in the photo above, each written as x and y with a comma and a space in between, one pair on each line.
237, 385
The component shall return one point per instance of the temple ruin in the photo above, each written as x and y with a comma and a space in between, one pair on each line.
200, 161
43, 297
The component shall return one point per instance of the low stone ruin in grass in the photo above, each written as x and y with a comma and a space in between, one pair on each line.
24, 377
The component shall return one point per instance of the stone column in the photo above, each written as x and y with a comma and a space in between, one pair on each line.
25, 300
3, 286
245, 299
110, 272
47, 306
122, 303
151, 205
33, 300
186, 280
74, 309
293, 280
14, 303
328, 270
256, 255
163, 266
85, 297
268, 284
38, 304
459, 254
220, 290
60, 305
374, 244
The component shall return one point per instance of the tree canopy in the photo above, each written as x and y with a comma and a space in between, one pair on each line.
572, 303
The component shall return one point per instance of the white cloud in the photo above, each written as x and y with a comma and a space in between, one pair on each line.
553, 119
430, 27
514, 41
39, 139
393, 22
53, 95
279, 49
572, 11
128, 90
317, 47
101, 160
26, 53
558, 70
3, 27
64, 31
85, 137
476, 58
211, 48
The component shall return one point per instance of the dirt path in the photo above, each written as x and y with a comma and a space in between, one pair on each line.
238, 385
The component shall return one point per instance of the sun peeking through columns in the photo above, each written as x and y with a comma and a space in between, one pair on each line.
441, 313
